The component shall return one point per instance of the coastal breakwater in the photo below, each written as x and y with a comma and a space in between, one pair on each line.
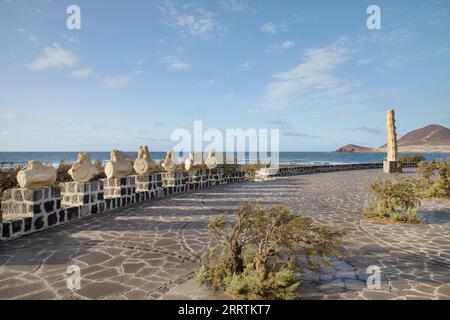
26, 211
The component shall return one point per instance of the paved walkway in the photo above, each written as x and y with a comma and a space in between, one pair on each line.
151, 250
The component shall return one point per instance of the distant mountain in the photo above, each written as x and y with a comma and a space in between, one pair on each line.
432, 138
354, 148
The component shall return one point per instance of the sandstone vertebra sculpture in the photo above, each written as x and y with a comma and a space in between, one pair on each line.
391, 136
211, 161
118, 166
391, 165
143, 164
36, 176
169, 164
189, 162
83, 170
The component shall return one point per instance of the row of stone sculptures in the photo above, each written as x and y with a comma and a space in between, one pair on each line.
36, 175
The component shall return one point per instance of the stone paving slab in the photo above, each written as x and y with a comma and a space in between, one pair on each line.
151, 250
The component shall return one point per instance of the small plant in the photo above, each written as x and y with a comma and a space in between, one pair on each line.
394, 199
413, 158
8, 180
251, 169
101, 170
256, 254
435, 178
62, 173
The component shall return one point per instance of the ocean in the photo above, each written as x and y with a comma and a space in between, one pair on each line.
11, 159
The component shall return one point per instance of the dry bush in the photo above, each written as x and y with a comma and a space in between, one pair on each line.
101, 170
251, 169
62, 174
394, 199
256, 254
413, 158
435, 178
8, 180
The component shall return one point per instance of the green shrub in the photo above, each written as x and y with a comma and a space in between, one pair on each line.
414, 158
435, 178
255, 255
8, 180
62, 174
395, 199
251, 169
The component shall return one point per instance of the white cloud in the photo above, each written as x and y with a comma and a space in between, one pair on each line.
288, 44
247, 65
393, 37
313, 76
269, 27
236, 6
175, 63
190, 19
364, 62
54, 57
82, 73
31, 37
443, 51
116, 82
7, 115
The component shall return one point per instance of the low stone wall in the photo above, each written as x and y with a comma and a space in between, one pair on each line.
302, 170
28, 211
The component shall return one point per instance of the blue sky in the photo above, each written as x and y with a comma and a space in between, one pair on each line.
137, 70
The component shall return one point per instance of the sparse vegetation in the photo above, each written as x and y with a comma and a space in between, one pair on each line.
394, 199
251, 169
62, 174
435, 178
413, 158
8, 180
255, 257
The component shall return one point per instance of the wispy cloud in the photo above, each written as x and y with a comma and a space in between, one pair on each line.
7, 115
314, 74
393, 37
190, 19
374, 131
443, 51
269, 27
175, 63
299, 135
116, 82
54, 57
364, 62
247, 65
30, 36
235, 6
82, 73
281, 124
286, 45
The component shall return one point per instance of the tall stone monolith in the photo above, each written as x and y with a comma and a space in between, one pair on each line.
391, 164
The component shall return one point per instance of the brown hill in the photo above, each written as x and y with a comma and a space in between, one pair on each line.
354, 148
432, 138
432, 135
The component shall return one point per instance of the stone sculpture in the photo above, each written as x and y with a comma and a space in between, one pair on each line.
83, 170
169, 164
391, 136
211, 161
36, 175
118, 166
143, 164
189, 162
391, 165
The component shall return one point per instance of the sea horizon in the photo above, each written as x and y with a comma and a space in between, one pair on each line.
19, 158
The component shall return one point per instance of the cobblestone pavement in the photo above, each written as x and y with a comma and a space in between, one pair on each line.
151, 250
